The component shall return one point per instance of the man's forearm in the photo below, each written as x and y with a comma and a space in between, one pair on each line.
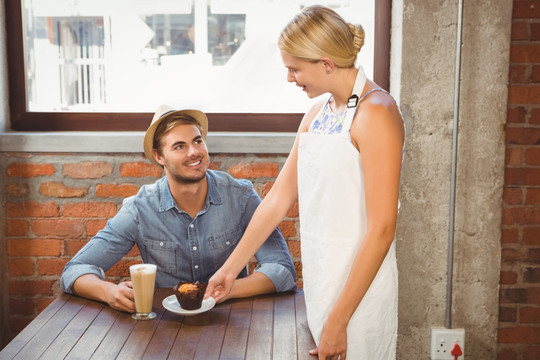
254, 284
92, 287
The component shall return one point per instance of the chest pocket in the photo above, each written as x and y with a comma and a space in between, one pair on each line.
163, 253
223, 244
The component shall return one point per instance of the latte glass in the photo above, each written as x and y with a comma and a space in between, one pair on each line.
143, 277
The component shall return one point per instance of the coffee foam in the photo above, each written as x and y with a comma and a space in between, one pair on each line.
143, 268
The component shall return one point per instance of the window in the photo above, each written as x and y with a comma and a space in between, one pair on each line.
106, 66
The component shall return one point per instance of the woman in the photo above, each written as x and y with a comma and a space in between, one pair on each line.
344, 169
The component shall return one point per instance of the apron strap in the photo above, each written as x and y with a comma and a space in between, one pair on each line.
354, 100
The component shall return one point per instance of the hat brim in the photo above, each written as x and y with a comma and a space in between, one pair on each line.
148, 142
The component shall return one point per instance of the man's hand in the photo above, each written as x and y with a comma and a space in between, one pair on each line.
121, 297
118, 296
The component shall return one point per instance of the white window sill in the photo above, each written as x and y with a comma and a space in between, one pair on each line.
131, 142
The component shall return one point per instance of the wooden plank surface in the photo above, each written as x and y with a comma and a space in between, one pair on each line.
261, 328
259, 345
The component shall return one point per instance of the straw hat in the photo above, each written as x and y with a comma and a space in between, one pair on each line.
164, 112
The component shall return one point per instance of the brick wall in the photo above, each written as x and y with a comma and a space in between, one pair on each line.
54, 203
519, 306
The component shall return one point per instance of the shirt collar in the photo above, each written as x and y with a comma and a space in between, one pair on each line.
166, 201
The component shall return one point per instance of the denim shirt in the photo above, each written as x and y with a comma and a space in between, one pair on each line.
182, 247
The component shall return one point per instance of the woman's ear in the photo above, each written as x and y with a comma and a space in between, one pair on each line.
328, 64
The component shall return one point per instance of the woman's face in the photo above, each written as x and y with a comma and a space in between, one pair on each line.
309, 75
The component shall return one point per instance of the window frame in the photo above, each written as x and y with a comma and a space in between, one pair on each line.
23, 120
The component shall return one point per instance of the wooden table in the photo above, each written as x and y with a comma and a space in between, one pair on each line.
263, 327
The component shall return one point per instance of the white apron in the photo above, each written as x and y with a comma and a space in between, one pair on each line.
332, 226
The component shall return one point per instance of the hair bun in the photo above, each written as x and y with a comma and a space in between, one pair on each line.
359, 36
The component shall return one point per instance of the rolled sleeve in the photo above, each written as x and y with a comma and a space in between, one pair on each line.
73, 271
280, 276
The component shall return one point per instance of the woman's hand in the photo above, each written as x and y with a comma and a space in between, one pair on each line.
219, 285
333, 342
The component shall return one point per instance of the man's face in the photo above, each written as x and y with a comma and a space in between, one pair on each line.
184, 154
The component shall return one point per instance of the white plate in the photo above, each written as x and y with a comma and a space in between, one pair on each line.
171, 303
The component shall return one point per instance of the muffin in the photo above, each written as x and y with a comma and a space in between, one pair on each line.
190, 295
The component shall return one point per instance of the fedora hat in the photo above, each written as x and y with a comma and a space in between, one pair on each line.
164, 112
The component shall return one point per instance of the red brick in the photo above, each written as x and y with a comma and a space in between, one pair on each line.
34, 247
519, 74
93, 226
21, 307
121, 268
294, 248
514, 156
58, 227
531, 275
17, 227
51, 266
113, 190
31, 287
90, 209
532, 196
533, 295
288, 229
254, 170
506, 353
134, 253
521, 176
87, 170
532, 156
516, 115
508, 277
140, 169
507, 314
513, 296
522, 136
519, 335
535, 31
293, 211
530, 216
26, 170
535, 116
17, 190
53, 189
298, 269
531, 352
214, 165
529, 315
509, 236
524, 94
266, 187
71, 247
513, 195
43, 302
535, 76
531, 235
525, 9
532, 255
520, 30
510, 255
32, 209
20, 267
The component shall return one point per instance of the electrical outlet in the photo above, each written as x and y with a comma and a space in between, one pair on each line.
444, 340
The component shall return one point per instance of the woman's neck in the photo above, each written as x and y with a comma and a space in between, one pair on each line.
343, 81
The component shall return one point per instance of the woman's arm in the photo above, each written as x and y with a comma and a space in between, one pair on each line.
378, 134
268, 215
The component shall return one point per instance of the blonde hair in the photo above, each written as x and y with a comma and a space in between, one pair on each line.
319, 31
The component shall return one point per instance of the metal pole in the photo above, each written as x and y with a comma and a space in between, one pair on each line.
450, 260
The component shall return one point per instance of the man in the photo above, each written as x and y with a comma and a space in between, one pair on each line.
187, 223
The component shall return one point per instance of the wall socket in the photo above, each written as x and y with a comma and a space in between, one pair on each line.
443, 341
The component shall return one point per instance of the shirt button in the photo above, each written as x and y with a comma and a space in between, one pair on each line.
228, 242
194, 248
191, 226
161, 243
196, 266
